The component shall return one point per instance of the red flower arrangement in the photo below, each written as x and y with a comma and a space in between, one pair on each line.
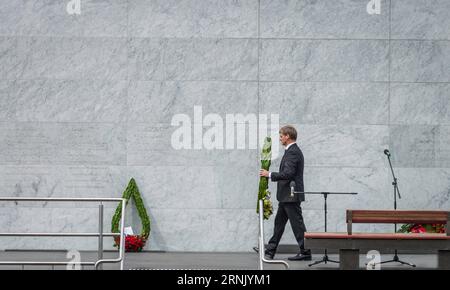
133, 243
423, 228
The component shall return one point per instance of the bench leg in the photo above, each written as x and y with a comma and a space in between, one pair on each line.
349, 259
444, 259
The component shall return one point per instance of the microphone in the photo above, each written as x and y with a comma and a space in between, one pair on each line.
292, 184
387, 153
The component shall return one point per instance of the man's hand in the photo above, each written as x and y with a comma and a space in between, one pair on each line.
263, 173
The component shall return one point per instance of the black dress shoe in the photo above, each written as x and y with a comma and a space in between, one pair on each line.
305, 252
268, 254
302, 256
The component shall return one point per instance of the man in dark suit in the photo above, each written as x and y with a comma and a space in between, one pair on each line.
291, 169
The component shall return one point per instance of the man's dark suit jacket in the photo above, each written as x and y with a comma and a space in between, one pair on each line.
291, 169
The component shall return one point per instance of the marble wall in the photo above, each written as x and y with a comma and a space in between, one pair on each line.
86, 103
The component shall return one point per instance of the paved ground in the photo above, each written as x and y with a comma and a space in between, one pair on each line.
188, 260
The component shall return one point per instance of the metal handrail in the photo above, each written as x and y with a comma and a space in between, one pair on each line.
57, 234
261, 251
100, 234
87, 199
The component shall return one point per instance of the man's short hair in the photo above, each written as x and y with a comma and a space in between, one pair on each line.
289, 130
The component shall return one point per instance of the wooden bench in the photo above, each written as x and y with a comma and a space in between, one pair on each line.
349, 244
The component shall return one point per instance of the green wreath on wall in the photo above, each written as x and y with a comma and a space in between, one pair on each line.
132, 191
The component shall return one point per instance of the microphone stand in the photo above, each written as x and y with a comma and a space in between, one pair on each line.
325, 259
396, 192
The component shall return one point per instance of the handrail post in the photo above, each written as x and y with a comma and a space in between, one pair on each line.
100, 231
261, 235
261, 241
122, 234
122, 242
